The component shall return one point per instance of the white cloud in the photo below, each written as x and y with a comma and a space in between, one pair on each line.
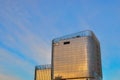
30, 45
19, 42
10, 60
8, 77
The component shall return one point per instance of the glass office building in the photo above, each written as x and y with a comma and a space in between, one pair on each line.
43, 72
76, 57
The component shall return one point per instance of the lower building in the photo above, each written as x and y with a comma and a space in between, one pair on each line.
43, 72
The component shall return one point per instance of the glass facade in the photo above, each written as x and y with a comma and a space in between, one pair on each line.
76, 57
43, 72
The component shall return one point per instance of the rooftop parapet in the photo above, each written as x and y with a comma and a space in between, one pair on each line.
75, 35
41, 67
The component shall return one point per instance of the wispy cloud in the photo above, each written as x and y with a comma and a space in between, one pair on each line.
23, 35
8, 77
20, 48
12, 64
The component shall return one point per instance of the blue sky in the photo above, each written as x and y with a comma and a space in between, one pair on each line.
28, 26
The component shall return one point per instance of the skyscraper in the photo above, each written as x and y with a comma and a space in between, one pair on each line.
76, 57
43, 72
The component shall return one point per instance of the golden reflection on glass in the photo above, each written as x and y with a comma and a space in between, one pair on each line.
77, 57
70, 60
44, 74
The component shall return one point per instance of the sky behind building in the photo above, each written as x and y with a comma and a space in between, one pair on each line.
27, 28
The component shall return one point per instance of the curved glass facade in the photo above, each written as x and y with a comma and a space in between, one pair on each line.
76, 57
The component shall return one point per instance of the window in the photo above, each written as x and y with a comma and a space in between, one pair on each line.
67, 42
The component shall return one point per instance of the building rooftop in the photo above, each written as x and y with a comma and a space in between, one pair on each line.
41, 67
74, 35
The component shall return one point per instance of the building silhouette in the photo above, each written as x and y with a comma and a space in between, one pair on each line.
76, 57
